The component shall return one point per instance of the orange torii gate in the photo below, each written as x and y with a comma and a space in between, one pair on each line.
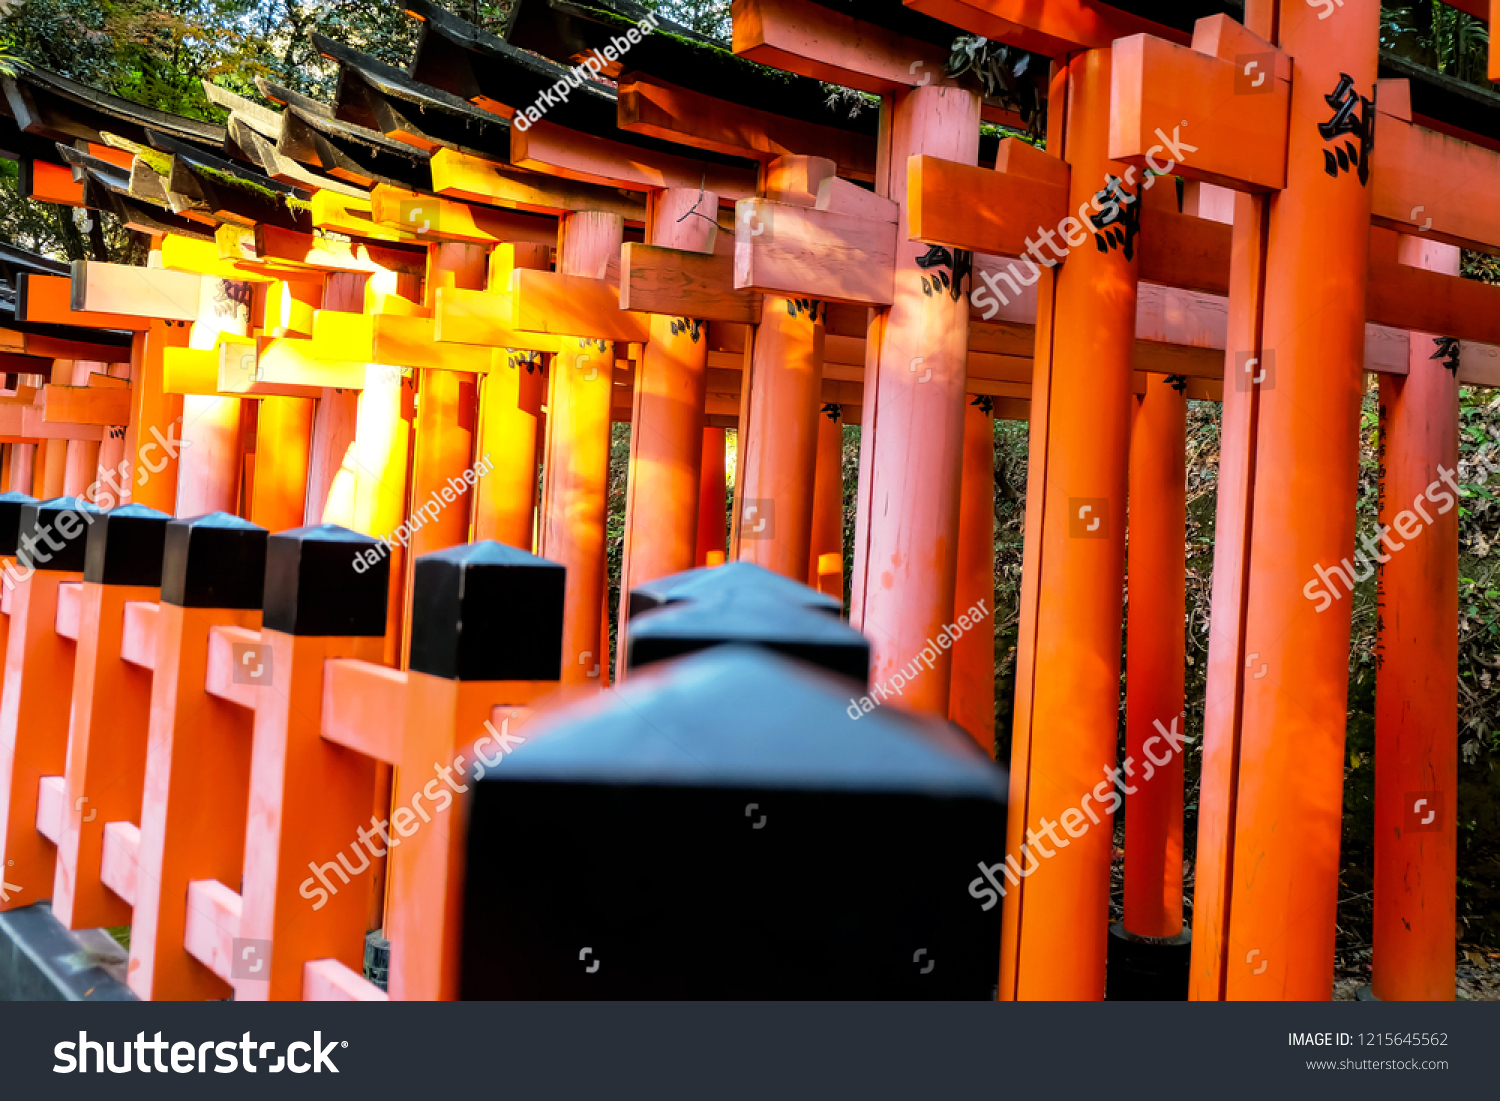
895, 266
1149, 118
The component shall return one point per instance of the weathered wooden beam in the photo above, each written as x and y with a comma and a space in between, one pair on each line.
573, 305
283, 367
1428, 183
652, 106
461, 176
825, 44
353, 216
352, 153
190, 371
1425, 301
842, 197
800, 251
289, 305
48, 299
327, 254
432, 218
965, 206
189, 254
1233, 131
545, 147
483, 318
85, 404
50, 183
262, 150
139, 292
399, 107
686, 284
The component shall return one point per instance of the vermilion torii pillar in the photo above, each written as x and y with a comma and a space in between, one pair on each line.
1271, 797
1068, 655
1154, 662
911, 447
577, 464
666, 428
971, 703
1416, 705
825, 570
712, 489
510, 408
777, 465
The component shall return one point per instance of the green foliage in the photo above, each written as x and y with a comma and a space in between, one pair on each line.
1006, 73
614, 525
1440, 37
710, 17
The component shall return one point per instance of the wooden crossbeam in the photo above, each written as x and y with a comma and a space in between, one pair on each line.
546, 147
955, 205
573, 305
327, 254
283, 367
1426, 301
793, 250
687, 284
345, 214
999, 212
85, 404
825, 44
50, 347
1237, 130
190, 371
483, 318
262, 150
228, 198
179, 253
462, 176
50, 183
347, 152
48, 299
431, 218
288, 306
1428, 183
842, 197
139, 292
652, 106
34, 426
412, 342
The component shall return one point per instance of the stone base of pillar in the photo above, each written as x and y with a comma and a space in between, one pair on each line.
1147, 969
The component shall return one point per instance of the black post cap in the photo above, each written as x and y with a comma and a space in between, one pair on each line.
731, 579
487, 611
795, 852
10, 519
126, 546
790, 629
326, 580
214, 561
57, 533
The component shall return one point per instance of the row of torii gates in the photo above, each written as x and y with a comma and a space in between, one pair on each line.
350, 305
